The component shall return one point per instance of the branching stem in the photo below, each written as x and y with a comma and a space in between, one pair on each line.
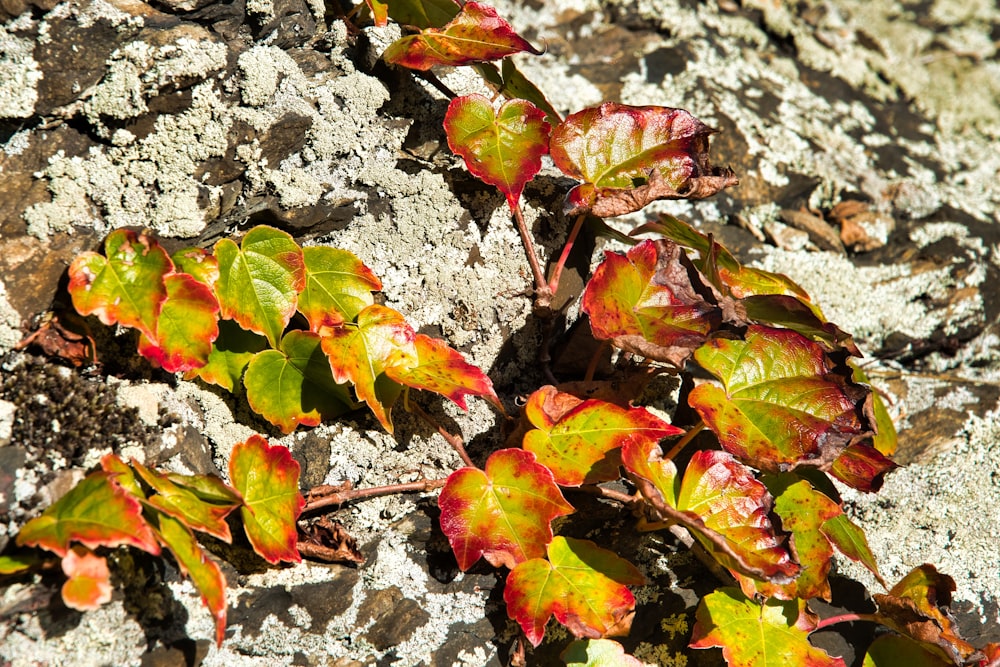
338, 498
685, 439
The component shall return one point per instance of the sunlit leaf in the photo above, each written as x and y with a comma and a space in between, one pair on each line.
423, 13
97, 512
208, 488
899, 651
774, 634
198, 263
630, 156
123, 475
862, 467
780, 403
231, 352
268, 479
502, 148
582, 585
885, 437
89, 581
644, 303
598, 653
186, 327
338, 287
293, 385
580, 441
183, 504
259, 280
359, 353
476, 33
124, 288
504, 513
17, 563
380, 12
850, 540
444, 371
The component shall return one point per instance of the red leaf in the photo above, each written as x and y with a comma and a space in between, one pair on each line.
614, 146
268, 479
199, 263
185, 505
862, 467
582, 585
476, 33
380, 11
89, 583
503, 514
504, 148
187, 325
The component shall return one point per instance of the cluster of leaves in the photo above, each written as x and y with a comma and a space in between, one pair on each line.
131, 505
293, 376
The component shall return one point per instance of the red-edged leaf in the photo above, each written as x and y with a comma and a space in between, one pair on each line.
231, 352
598, 653
644, 303
444, 371
380, 12
775, 634
97, 512
580, 441
850, 540
780, 404
630, 156
476, 33
198, 263
423, 13
293, 385
17, 563
361, 352
504, 513
187, 325
126, 287
89, 583
898, 651
123, 475
260, 280
196, 564
582, 585
862, 467
268, 479
208, 488
183, 504
338, 287
502, 148
885, 430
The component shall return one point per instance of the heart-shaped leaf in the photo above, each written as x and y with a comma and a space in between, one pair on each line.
89, 581
338, 287
423, 13
630, 156
260, 280
185, 505
187, 325
645, 303
444, 371
198, 263
268, 479
359, 353
504, 148
504, 513
231, 352
780, 404
580, 441
774, 634
476, 33
293, 385
582, 585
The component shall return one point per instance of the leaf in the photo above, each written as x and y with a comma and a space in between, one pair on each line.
97, 512
630, 156
268, 479
183, 504
123, 475
598, 653
793, 313
644, 303
582, 585
187, 325
862, 467
780, 404
196, 564
503, 513
504, 148
775, 634
329, 542
579, 441
722, 504
509, 82
89, 583
17, 563
259, 280
380, 12
338, 287
198, 263
293, 385
125, 288
360, 353
476, 33
444, 371
850, 540
885, 440
423, 13
231, 352
897, 651
208, 488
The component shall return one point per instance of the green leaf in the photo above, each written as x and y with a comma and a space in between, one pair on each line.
775, 634
850, 540
502, 148
17, 563
338, 287
293, 385
125, 288
598, 653
380, 11
185, 505
504, 513
798, 315
123, 475
580, 441
630, 156
187, 325
582, 585
268, 479
898, 651
885, 440
97, 512
780, 404
259, 280
198, 263
423, 13
88, 583
231, 352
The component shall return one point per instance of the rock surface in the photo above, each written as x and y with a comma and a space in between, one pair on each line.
865, 136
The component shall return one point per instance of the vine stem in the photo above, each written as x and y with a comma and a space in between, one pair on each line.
543, 295
846, 618
337, 498
558, 269
685, 439
454, 440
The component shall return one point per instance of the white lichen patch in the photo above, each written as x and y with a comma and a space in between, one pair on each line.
19, 76
10, 323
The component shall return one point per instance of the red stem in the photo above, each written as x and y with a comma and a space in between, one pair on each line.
543, 295
558, 269
846, 618
338, 498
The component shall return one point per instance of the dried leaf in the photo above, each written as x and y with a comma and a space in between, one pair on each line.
329, 541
